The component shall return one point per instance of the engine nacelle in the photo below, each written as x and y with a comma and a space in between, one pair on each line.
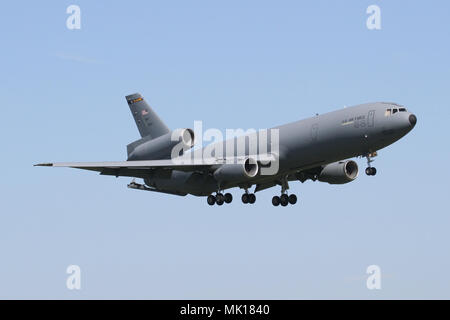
339, 172
237, 171
161, 147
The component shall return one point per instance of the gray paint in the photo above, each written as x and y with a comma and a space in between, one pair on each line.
305, 147
147, 121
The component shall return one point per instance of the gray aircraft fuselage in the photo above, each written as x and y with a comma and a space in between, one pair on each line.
317, 141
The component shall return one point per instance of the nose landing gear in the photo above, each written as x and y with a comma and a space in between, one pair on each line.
371, 171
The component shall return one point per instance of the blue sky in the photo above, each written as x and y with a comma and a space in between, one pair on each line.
231, 64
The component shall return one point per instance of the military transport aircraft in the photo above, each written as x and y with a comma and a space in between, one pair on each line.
317, 148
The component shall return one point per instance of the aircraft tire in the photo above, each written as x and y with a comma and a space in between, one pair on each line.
228, 198
284, 200
276, 201
371, 171
292, 199
220, 199
211, 200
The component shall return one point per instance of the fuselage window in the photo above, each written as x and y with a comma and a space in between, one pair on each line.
387, 113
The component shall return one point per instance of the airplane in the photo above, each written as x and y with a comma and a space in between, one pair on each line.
317, 148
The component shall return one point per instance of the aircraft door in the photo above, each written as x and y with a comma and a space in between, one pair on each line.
371, 118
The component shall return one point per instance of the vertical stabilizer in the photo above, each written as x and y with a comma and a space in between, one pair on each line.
147, 121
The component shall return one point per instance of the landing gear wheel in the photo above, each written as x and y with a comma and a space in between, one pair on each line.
292, 199
220, 199
276, 201
251, 198
245, 198
228, 198
284, 200
211, 200
370, 171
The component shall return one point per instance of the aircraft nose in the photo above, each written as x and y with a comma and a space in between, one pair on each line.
412, 120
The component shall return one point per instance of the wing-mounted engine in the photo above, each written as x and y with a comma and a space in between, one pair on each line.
339, 172
240, 171
161, 147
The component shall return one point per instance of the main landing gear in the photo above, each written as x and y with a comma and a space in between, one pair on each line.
248, 198
370, 171
219, 199
284, 199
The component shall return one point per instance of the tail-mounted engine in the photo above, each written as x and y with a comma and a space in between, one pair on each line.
163, 147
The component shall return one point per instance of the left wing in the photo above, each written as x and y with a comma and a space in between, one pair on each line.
131, 168
140, 168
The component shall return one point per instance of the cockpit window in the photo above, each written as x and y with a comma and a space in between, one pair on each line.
392, 110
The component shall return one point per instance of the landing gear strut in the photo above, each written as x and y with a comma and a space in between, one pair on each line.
284, 199
370, 171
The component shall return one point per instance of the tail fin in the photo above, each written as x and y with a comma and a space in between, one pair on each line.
147, 121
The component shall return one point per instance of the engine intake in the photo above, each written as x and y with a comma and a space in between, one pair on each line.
339, 172
237, 171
